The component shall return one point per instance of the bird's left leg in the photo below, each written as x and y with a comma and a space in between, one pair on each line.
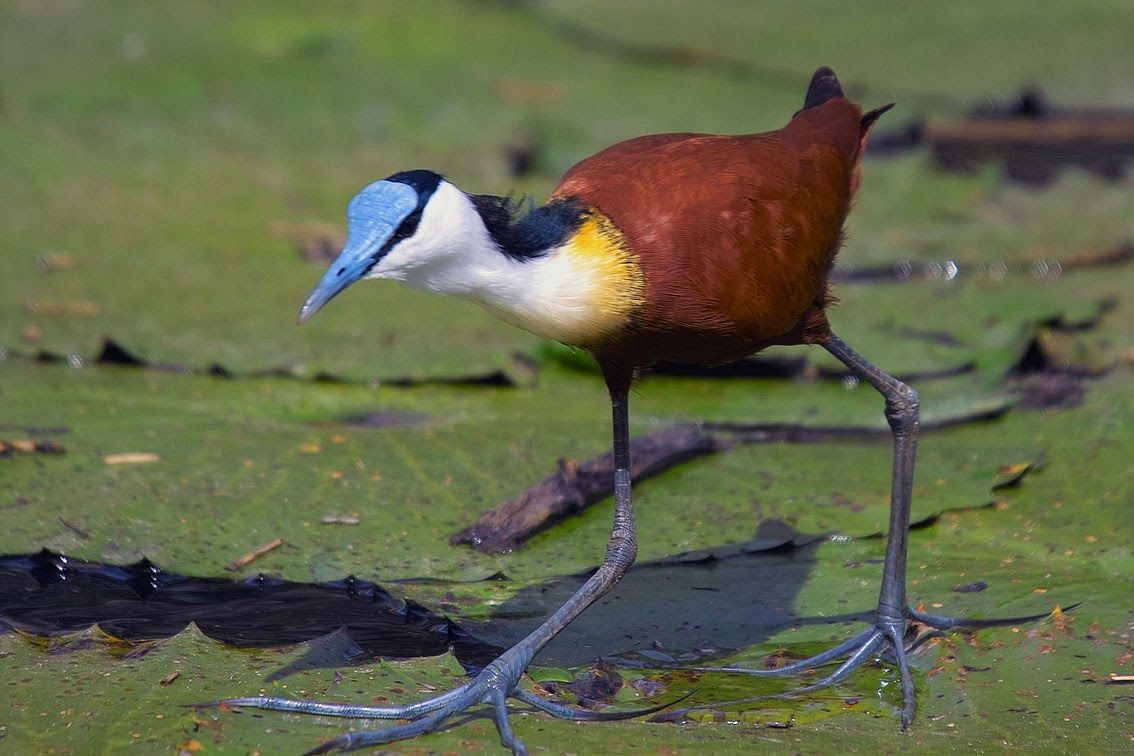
890, 618
499, 680
893, 612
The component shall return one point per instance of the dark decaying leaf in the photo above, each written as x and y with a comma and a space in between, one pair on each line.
908, 270
521, 370
50, 594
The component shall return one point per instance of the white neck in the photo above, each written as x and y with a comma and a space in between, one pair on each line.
553, 294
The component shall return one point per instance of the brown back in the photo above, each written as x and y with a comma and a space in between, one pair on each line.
735, 234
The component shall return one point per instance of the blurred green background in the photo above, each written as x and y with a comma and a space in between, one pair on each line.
163, 167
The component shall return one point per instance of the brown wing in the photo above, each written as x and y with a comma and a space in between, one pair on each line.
735, 234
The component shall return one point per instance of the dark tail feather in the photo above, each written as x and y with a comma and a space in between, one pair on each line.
868, 119
824, 86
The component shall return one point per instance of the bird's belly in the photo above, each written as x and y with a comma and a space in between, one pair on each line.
719, 342
696, 348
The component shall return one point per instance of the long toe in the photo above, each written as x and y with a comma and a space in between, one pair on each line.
495, 684
561, 711
829, 656
942, 622
355, 739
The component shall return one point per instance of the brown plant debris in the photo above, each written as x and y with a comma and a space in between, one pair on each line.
243, 561
576, 485
1033, 138
77, 308
130, 458
1011, 476
340, 520
28, 446
594, 689
80, 532
50, 262
31, 333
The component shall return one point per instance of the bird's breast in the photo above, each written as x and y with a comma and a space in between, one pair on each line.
582, 292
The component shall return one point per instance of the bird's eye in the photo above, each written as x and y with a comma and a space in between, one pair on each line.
405, 229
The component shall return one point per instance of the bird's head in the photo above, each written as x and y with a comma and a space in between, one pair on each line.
394, 227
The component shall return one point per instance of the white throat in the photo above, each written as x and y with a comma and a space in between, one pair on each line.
559, 294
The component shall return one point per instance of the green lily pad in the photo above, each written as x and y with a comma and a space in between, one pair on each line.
158, 163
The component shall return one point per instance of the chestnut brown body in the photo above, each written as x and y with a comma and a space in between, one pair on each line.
735, 235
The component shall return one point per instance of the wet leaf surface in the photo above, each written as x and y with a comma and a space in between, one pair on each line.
158, 166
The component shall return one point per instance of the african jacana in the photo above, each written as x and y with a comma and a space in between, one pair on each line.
681, 247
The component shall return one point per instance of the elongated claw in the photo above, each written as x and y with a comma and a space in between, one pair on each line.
355, 739
827, 657
970, 623
562, 711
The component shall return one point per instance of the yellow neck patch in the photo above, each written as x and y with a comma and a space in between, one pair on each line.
617, 287
582, 292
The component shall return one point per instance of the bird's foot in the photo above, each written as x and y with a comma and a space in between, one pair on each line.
493, 686
889, 633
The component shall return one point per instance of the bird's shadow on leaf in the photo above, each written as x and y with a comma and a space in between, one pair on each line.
681, 608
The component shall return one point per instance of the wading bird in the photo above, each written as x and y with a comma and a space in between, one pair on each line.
682, 247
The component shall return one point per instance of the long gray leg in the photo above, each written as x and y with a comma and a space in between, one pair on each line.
902, 414
499, 679
893, 612
890, 617
902, 411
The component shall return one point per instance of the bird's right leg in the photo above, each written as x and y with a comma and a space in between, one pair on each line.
893, 613
499, 680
